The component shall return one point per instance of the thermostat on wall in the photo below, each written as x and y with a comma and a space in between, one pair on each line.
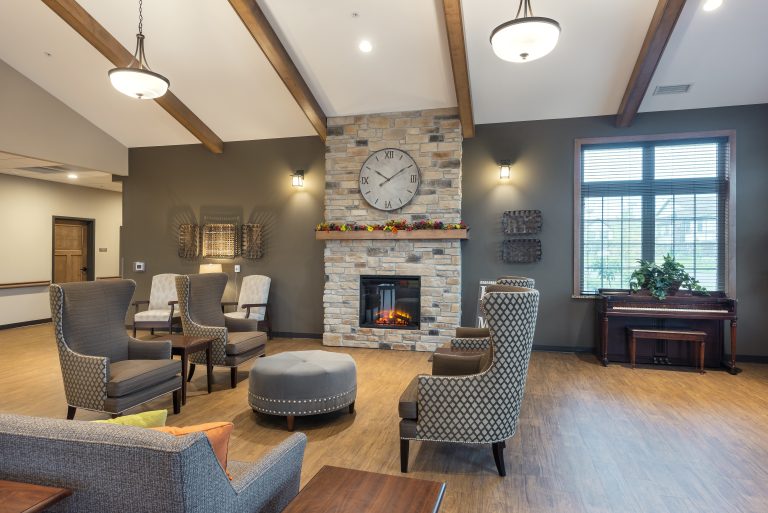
139, 267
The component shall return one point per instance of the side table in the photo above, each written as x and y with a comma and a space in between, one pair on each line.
183, 346
29, 498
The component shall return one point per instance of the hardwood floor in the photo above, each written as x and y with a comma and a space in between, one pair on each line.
591, 439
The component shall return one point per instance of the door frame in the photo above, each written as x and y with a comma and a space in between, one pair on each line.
90, 262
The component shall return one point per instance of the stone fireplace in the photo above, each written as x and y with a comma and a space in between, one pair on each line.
433, 139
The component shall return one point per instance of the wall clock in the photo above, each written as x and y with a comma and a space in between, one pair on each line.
389, 179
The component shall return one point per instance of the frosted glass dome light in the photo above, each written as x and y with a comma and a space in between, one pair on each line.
525, 38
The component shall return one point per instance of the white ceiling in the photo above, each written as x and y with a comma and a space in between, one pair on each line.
218, 71
19, 165
722, 53
408, 69
585, 75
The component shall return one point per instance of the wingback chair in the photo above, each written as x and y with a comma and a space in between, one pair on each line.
517, 281
201, 316
161, 311
253, 304
103, 368
482, 407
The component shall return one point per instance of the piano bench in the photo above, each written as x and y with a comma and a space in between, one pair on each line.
683, 335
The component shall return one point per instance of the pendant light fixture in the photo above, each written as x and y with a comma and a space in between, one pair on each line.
136, 79
525, 38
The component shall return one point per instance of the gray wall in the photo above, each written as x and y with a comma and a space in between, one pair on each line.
249, 182
542, 178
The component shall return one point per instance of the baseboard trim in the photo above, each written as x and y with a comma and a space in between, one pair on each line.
291, 334
564, 349
25, 323
750, 358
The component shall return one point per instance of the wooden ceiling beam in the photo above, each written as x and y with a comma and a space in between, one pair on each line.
262, 32
661, 28
455, 28
93, 32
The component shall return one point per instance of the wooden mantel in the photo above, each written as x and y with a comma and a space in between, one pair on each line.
401, 234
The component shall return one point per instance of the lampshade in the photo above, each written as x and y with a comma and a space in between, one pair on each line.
139, 83
210, 268
525, 39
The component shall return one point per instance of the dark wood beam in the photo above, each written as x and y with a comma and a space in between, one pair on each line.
93, 32
455, 28
257, 24
662, 24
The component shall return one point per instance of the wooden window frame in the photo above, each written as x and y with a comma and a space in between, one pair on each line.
730, 209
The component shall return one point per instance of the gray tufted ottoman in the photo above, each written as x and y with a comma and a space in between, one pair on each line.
298, 383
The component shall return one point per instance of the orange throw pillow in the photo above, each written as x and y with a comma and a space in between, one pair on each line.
218, 434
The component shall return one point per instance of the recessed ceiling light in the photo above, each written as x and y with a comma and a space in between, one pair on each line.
72, 176
365, 46
711, 5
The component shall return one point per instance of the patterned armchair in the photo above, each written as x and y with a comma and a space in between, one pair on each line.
477, 338
160, 312
201, 316
483, 407
253, 304
103, 368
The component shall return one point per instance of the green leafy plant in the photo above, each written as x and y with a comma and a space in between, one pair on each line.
663, 280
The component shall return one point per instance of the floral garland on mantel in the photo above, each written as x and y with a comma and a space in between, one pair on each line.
393, 226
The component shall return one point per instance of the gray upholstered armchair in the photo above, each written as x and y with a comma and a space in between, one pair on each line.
103, 368
481, 407
201, 316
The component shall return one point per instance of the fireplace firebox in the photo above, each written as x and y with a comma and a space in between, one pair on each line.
390, 302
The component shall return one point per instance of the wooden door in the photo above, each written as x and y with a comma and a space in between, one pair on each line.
70, 251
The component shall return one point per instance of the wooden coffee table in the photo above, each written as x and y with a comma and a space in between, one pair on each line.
344, 490
29, 498
183, 346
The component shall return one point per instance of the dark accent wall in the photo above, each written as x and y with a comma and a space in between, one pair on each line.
249, 182
542, 153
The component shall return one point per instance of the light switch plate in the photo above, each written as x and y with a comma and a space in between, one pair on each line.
237, 268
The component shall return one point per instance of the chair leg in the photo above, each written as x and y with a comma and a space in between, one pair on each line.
291, 420
498, 456
404, 446
116, 415
352, 407
71, 412
233, 376
177, 401
191, 372
134, 330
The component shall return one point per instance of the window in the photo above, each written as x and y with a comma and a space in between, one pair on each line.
643, 198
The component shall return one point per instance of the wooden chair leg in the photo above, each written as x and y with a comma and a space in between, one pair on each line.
134, 330
177, 401
191, 372
291, 421
233, 376
71, 412
352, 407
498, 456
404, 446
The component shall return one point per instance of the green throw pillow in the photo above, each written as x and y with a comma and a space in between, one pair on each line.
146, 419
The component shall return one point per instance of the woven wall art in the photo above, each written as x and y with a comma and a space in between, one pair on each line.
252, 246
521, 251
521, 222
220, 240
189, 240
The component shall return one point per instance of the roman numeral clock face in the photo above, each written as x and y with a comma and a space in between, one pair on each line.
389, 179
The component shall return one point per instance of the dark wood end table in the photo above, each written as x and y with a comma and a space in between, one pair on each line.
344, 490
29, 498
183, 346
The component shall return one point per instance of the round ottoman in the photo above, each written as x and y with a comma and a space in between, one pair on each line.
298, 383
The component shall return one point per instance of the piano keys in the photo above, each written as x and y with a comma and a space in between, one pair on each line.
618, 309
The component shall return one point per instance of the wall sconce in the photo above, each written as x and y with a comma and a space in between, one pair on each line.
505, 170
297, 178
210, 268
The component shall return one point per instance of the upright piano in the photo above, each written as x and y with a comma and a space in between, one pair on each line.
619, 309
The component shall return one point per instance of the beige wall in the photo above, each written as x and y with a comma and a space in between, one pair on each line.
36, 124
27, 208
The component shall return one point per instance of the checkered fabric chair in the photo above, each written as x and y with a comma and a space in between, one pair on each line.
161, 311
483, 407
477, 338
103, 368
201, 316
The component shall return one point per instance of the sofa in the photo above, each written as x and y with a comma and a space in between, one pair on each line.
137, 470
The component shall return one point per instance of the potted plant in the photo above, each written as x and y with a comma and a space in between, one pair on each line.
663, 280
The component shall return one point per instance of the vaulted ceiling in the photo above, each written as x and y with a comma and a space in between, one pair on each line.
220, 73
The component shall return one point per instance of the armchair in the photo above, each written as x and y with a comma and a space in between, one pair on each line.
161, 311
252, 305
482, 407
103, 368
201, 316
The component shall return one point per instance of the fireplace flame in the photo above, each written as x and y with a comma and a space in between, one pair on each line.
393, 317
